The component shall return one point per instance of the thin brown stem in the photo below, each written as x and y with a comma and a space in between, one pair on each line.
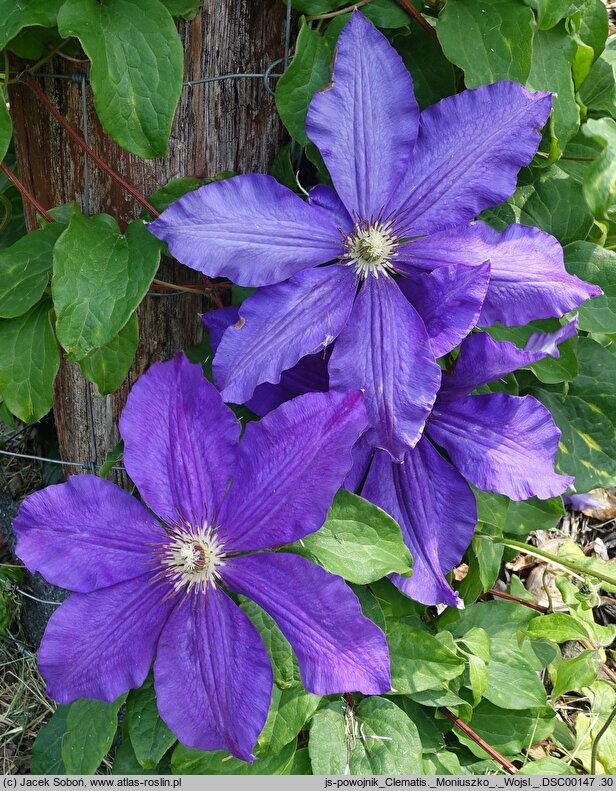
26, 193
507, 765
163, 285
82, 143
213, 289
501, 595
410, 9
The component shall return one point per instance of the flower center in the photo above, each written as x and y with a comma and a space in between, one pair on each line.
369, 249
191, 558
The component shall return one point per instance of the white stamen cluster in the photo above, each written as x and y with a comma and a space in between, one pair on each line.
191, 558
369, 249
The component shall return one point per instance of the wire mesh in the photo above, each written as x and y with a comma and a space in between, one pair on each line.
92, 465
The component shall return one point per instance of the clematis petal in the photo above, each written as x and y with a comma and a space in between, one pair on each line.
180, 441
483, 360
337, 647
384, 350
362, 458
101, 644
528, 277
501, 444
213, 676
469, 150
280, 325
217, 322
289, 466
449, 301
309, 375
250, 229
365, 123
436, 511
327, 198
85, 534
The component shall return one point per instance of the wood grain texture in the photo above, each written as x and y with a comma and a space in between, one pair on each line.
223, 125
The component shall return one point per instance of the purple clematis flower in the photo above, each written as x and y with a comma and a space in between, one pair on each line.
411, 275
149, 587
500, 443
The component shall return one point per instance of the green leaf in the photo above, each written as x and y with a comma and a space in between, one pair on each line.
434, 77
197, 762
443, 762
556, 206
518, 518
489, 557
277, 645
513, 682
29, 362
182, 9
558, 627
587, 418
6, 126
149, 736
602, 699
593, 24
497, 618
477, 641
283, 169
478, 677
369, 605
109, 365
598, 92
377, 738
553, 54
316, 6
386, 14
32, 43
112, 457
290, 710
90, 730
490, 41
433, 663
506, 730
573, 674
595, 265
99, 279
25, 268
307, 73
11, 213
395, 605
533, 514
47, 749
547, 766
549, 12
17, 14
125, 761
137, 67
358, 541
582, 61
600, 177
301, 763
431, 727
